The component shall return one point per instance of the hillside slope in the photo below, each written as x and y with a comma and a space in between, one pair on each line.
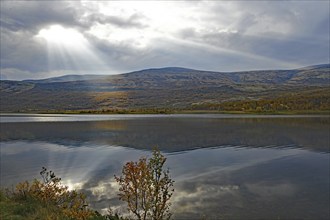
171, 88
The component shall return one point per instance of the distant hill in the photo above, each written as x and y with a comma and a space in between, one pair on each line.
67, 78
169, 88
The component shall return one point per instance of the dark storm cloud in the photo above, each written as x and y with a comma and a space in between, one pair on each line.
20, 51
31, 16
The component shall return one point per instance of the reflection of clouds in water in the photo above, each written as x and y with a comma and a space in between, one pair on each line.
12, 148
89, 169
23, 161
221, 197
218, 183
207, 189
103, 195
267, 191
238, 187
191, 200
210, 162
256, 190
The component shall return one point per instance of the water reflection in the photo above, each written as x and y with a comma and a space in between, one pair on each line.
217, 183
283, 187
274, 168
178, 134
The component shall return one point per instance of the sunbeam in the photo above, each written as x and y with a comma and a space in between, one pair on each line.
69, 49
56, 34
226, 51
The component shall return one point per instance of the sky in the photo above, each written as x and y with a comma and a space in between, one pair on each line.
41, 39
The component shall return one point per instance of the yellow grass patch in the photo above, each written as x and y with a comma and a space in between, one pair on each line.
103, 96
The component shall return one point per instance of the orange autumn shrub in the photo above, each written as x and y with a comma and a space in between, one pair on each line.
147, 188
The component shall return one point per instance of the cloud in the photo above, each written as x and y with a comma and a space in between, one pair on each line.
132, 21
19, 50
286, 35
32, 15
209, 35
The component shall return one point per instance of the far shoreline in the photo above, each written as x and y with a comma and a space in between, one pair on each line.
168, 112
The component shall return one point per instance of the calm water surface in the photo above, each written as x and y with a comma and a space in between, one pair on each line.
224, 166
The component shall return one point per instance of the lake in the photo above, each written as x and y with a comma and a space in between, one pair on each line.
224, 166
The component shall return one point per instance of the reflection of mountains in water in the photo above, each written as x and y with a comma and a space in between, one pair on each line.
179, 134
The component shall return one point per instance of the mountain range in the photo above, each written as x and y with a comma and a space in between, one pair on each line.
167, 88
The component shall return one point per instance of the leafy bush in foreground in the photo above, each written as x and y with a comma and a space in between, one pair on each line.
52, 195
147, 188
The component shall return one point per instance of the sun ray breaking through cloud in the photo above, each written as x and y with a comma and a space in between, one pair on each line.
238, 53
68, 48
112, 37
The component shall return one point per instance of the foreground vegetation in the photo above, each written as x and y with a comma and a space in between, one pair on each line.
144, 185
47, 199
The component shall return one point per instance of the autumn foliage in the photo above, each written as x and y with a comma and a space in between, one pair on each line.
147, 188
51, 192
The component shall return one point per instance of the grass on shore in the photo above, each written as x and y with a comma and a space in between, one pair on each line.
31, 209
27, 209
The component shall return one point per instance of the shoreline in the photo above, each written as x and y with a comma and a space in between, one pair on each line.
169, 112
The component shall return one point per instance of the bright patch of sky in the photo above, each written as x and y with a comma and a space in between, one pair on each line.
41, 39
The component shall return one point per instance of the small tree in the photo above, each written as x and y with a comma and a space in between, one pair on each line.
147, 188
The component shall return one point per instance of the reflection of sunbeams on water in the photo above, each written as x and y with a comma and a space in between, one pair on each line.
78, 163
83, 164
243, 168
206, 178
